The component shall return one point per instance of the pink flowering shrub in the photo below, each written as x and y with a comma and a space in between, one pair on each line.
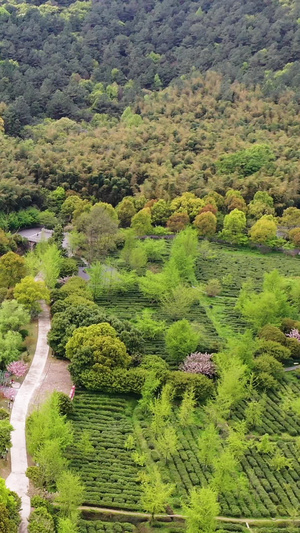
17, 368
199, 363
294, 334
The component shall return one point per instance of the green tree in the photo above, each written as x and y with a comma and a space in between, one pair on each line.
100, 228
96, 346
51, 261
156, 250
48, 219
12, 269
9, 509
267, 307
5, 438
202, 510
138, 258
73, 205
70, 495
213, 287
226, 472
65, 525
56, 198
177, 302
28, 293
167, 443
126, 211
184, 253
254, 413
237, 442
209, 445
264, 230
13, 316
10, 347
41, 521
141, 222
51, 462
234, 227
181, 340
262, 204
232, 384
279, 461
48, 424
155, 493
290, 217
150, 328
186, 411
161, 409
160, 212
96, 274
206, 224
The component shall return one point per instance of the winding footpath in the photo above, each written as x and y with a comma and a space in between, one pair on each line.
17, 480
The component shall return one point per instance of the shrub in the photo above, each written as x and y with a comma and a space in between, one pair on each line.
155, 364
38, 501
41, 521
65, 405
268, 370
271, 333
4, 415
203, 387
34, 473
213, 287
68, 267
274, 349
181, 339
287, 324
294, 346
115, 381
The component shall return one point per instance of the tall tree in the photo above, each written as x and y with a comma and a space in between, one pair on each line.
202, 510
12, 269
155, 493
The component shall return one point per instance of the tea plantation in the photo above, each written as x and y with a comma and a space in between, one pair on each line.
112, 478
108, 471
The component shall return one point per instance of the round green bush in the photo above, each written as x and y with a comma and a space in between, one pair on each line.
271, 333
275, 349
294, 347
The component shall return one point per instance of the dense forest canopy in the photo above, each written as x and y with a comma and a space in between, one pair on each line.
76, 59
188, 137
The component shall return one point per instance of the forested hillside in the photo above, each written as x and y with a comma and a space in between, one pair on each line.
81, 58
185, 138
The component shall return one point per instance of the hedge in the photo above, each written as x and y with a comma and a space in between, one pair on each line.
133, 379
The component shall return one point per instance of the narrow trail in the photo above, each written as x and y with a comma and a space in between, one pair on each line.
17, 480
147, 516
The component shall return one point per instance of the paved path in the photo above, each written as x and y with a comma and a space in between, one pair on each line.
17, 479
291, 368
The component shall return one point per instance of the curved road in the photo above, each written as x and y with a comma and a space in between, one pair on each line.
17, 480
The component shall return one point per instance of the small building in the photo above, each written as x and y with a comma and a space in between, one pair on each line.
36, 235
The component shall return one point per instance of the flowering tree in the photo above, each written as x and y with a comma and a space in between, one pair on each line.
17, 368
294, 334
199, 363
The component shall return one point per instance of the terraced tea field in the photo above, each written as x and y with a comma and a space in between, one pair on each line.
112, 478
108, 471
